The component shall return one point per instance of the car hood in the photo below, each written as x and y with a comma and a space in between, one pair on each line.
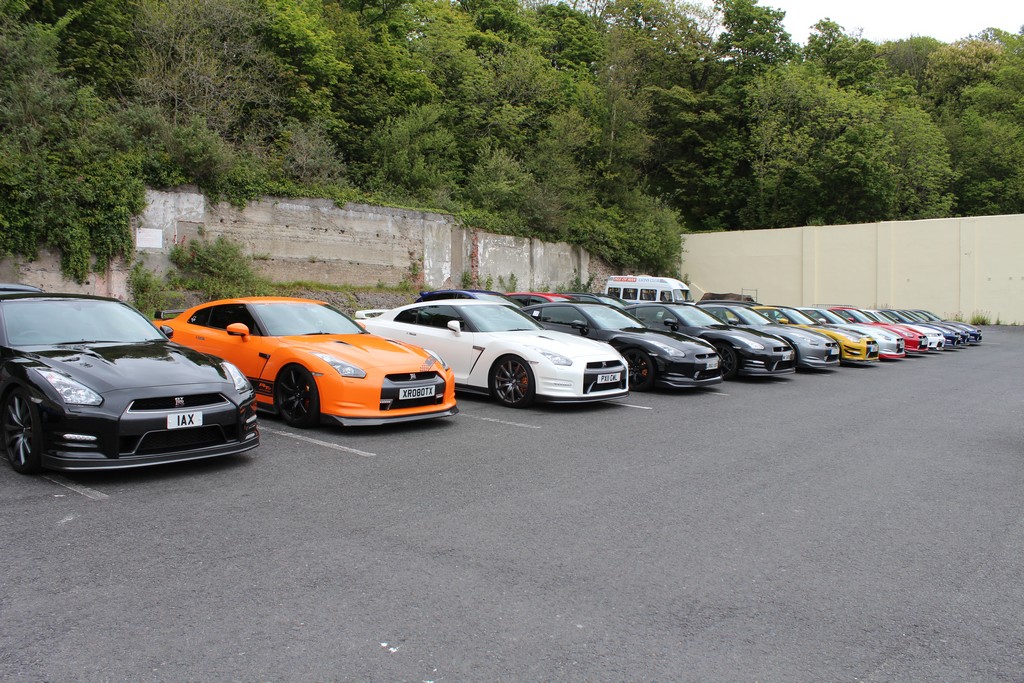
108, 366
559, 342
364, 350
679, 339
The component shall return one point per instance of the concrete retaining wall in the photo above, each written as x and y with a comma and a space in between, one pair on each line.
315, 240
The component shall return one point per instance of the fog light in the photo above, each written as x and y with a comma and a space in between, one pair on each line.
79, 437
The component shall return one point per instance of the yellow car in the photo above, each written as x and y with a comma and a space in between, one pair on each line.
853, 346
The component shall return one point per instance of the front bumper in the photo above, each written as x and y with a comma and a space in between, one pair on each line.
93, 439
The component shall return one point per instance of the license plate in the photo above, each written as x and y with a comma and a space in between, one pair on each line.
713, 364
182, 420
605, 379
415, 392
786, 355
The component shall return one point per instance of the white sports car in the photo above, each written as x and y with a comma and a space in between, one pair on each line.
496, 349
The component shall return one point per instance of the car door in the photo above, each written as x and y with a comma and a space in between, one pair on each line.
427, 326
206, 331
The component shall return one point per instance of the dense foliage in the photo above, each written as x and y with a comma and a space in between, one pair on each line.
618, 125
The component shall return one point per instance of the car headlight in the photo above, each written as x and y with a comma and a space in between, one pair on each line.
71, 391
669, 350
344, 369
556, 358
440, 361
242, 385
752, 344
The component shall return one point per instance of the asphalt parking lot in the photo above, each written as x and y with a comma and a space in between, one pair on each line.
864, 524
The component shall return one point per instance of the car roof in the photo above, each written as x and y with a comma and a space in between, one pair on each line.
17, 287
9, 296
728, 302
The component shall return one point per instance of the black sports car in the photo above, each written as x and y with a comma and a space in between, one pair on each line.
87, 383
743, 352
654, 357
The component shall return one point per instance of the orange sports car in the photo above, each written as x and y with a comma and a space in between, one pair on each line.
307, 359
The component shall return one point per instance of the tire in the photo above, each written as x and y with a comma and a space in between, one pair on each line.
296, 397
21, 430
512, 382
729, 362
641, 369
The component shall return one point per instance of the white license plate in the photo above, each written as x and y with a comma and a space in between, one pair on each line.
182, 420
415, 392
713, 364
605, 379
786, 355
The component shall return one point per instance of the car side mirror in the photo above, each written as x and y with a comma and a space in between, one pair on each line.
580, 325
672, 325
168, 331
239, 330
456, 327
784, 321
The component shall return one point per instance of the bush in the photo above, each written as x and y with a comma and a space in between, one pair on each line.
219, 269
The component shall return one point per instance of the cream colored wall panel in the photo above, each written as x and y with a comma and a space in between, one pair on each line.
954, 266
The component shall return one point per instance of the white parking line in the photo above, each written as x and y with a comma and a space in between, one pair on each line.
630, 405
84, 490
318, 442
503, 422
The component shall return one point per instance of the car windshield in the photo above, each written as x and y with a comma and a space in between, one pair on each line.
296, 318
608, 318
858, 316
797, 318
887, 317
49, 322
749, 316
695, 317
829, 316
498, 318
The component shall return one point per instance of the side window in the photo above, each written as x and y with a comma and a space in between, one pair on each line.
666, 296
651, 315
629, 294
222, 316
725, 314
438, 316
648, 295
201, 317
772, 314
615, 291
408, 316
560, 315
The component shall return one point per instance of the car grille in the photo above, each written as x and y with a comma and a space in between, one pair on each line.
176, 402
597, 368
172, 440
394, 383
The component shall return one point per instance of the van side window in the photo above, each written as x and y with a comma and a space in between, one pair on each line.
679, 294
614, 291
648, 295
666, 296
629, 294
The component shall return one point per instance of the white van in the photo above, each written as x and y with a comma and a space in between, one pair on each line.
636, 289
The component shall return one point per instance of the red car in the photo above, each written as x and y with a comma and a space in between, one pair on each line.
913, 341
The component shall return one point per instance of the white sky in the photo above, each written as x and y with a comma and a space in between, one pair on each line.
881, 20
